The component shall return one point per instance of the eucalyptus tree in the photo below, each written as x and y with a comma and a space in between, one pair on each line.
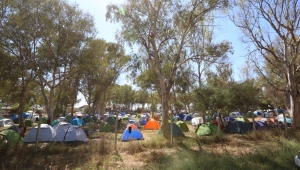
20, 37
162, 29
65, 31
100, 66
272, 26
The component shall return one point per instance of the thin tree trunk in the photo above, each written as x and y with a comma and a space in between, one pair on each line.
253, 124
38, 132
116, 130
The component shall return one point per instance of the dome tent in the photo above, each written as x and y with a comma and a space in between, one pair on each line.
182, 125
65, 132
176, 130
152, 124
12, 137
46, 134
132, 133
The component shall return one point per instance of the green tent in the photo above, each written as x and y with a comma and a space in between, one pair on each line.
54, 122
238, 127
210, 119
182, 125
176, 130
242, 119
107, 128
28, 123
12, 138
207, 128
111, 120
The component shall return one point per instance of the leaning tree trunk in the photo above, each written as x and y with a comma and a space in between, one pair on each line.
293, 109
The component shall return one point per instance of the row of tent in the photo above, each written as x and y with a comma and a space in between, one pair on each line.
62, 132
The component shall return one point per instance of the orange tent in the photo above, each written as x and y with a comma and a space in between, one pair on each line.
152, 124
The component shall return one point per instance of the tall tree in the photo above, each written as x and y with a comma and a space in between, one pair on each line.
162, 30
273, 28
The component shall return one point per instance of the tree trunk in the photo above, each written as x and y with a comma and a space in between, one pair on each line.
20, 111
38, 132
293, 103
165, 107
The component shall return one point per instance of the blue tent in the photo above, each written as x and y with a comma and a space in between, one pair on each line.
143, 122
14, 117
187, 118
147, 115
77, 122
132, 133
229, 119
25, 115
182, 115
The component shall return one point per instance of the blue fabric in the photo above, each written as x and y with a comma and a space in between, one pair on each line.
229, 119
288, 120
77, 122
134, 135
25, 115
181, 115
14, 117
187, 118
144, 122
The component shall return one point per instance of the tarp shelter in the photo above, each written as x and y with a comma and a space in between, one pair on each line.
238, 127
107, 128
65, 132
111, 120
132, 133
183, 126
152, 124
46, 134
207, 128
176, 130
77, 122
143, 120
242, 119
196, 121
187, 118
6, 122
28, 123
11, 137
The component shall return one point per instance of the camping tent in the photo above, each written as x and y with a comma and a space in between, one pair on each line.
6, 122
131, 122
46, 134
187, 118
15, 128
111, 120
132, 133
61, 119
28, 122
176, 130
54, 122
196, 121
143, 120
242, 119
11, 137
281, 119
238, 127
1, 117
26, 115
152, 124
65, 132
77, 122
207, 128
182, 125
107, 128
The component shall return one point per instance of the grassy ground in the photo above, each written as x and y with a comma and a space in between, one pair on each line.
268, 150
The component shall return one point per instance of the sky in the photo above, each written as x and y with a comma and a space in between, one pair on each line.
106, 30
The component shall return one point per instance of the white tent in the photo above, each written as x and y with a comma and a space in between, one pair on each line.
266, 114
196, 121
6, 122
61, 119
65, 132
263, 120
46, 134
